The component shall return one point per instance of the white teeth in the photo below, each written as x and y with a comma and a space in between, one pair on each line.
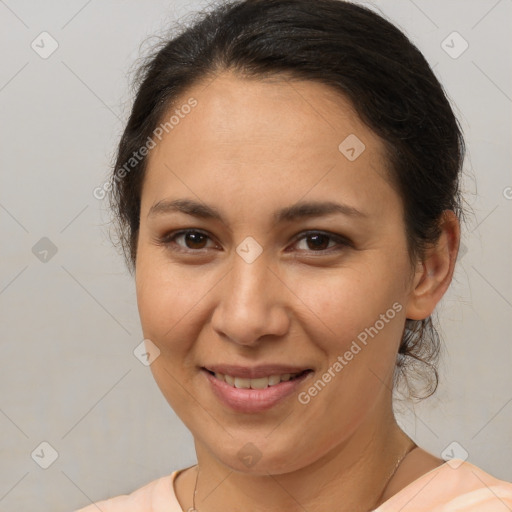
242, 383
260, 383
272, 380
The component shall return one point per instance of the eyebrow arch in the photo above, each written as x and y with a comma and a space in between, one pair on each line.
297, 211
315, 209
188, 206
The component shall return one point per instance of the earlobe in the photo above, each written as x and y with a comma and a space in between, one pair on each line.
434, 274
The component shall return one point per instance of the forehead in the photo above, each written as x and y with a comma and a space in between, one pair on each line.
235, 110
268, 134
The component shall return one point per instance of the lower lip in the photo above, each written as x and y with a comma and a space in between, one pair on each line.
253, 400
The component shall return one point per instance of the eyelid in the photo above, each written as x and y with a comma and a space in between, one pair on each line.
339, 239
169, 238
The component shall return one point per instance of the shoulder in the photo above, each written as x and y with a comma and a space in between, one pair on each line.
472, 489
455, 486
154, 496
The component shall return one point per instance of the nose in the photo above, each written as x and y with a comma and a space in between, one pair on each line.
251, 303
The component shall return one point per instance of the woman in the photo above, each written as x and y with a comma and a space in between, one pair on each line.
287, 194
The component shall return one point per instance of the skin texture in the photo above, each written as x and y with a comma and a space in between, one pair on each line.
249, 148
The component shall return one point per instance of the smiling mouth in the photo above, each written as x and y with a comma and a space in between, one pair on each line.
259, 383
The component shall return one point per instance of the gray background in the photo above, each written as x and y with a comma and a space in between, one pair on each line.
69, 324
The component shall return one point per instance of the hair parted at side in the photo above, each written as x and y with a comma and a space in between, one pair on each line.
357, 53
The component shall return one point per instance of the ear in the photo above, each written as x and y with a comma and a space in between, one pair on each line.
434, 274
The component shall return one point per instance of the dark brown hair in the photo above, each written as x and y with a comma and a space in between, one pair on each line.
347, 47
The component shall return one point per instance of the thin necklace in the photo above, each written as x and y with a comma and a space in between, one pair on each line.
195, 490
397, 465
395, 469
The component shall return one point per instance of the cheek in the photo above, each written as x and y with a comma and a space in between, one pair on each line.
162, 296
358, 327
169, 303
172, 302
356, 319
346, 302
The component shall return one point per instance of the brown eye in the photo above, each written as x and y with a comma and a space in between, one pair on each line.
317, 242
195, 240
187, 240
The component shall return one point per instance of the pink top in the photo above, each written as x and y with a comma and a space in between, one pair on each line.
455, 486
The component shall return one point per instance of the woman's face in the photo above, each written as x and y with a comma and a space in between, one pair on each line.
269, 235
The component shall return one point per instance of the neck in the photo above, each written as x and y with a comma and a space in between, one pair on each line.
352, 476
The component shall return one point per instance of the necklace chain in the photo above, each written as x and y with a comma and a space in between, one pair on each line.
395, 469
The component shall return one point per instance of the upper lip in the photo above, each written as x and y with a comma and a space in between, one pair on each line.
254, 372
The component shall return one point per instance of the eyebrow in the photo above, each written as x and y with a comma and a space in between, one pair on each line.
297, 211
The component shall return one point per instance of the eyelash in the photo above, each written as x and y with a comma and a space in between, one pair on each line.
169, 241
